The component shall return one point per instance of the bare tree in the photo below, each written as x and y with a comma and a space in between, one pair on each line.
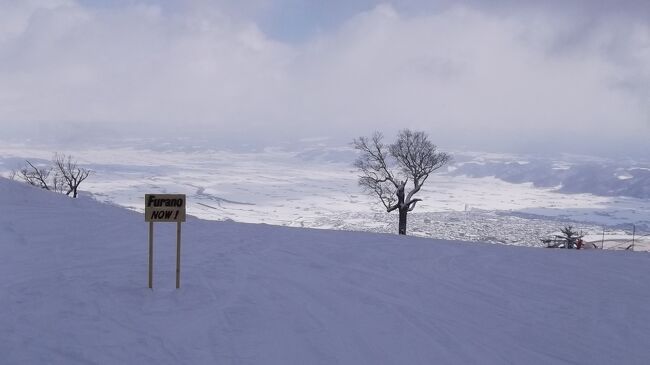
69, 174
387, 169
58, 184
35, 176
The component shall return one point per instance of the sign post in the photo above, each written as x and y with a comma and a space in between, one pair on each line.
178, 255
165, 208
150, 255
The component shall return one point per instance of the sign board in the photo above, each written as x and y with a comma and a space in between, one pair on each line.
164, 207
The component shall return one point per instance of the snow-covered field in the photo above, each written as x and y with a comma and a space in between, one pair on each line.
316, 187
74, 277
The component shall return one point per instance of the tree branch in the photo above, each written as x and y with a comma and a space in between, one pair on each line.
35, 176
411, 204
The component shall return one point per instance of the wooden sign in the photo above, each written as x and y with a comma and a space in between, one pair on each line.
165, 208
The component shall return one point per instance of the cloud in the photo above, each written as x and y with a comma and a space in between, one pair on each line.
469, 75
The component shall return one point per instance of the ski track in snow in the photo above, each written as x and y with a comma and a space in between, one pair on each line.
74, 273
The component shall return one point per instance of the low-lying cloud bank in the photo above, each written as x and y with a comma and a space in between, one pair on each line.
573, 77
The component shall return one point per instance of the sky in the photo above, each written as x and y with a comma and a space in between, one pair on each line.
524, 76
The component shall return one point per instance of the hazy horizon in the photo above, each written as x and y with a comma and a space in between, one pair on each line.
511, 76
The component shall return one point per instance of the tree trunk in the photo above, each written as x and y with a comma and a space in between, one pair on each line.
402, 209
402, 221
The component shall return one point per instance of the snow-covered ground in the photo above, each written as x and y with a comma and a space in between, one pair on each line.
74, 277
317, 188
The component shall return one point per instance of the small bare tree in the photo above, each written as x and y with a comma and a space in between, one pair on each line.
35, 176
58, 184
68, 174
387, 169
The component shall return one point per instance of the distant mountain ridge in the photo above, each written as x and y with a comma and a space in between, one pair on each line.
598, 178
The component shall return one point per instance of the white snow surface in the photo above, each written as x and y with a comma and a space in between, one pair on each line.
74, 290
298, 188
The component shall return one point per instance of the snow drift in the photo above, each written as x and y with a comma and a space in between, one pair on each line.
74, 277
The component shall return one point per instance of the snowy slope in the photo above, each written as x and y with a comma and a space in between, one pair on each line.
74, 277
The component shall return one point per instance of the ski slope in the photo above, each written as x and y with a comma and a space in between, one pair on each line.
74, 277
